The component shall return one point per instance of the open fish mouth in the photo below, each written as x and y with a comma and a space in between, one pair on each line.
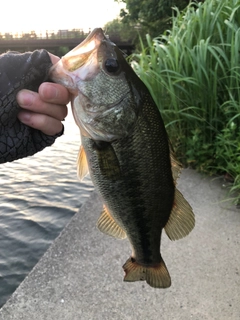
90, 43
79, 56
82, 62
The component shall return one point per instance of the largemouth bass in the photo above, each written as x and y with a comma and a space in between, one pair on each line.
125, 147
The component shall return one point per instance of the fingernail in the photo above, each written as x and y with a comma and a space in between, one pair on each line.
48, 91
24, 116
25, 98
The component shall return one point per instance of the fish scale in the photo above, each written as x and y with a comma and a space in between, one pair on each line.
126, 150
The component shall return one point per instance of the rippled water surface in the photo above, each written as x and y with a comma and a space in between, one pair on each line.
38, 196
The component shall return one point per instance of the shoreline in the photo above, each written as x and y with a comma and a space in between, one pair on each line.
81, 277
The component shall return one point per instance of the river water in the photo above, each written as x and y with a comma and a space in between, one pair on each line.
38, 196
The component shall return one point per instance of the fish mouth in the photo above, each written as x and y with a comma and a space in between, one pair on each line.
83, 62
78, 56
80, 63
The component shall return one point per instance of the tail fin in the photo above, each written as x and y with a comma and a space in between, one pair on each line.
156, 277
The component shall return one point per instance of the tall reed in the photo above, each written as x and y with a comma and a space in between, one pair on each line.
193, 74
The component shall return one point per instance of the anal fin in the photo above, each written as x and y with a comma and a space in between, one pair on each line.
181, 220
108, 225
156, 276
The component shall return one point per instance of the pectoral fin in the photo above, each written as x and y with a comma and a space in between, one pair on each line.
107, 160
82, 165
108, 225
181, 220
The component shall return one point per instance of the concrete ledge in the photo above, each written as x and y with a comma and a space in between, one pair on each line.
80, 276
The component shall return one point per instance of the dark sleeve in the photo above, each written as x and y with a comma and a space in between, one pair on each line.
20, 71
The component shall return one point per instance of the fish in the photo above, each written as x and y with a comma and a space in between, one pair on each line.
126, 150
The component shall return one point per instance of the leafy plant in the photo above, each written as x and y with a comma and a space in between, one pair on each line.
193, 74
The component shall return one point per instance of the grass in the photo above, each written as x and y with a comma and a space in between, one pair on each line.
193, 74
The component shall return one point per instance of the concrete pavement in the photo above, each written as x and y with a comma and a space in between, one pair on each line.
80, 276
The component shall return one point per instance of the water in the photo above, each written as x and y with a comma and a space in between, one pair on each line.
38, 196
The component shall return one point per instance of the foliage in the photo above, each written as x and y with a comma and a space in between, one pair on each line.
61, 51
193, 74
117, 28
150, 16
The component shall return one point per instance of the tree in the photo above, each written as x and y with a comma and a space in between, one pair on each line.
122, 30
150, 16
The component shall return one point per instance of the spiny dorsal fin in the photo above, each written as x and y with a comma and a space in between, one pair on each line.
108, 225
82, 165
156, 276
176, 165
181, 220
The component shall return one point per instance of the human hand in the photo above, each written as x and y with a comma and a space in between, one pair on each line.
46, 109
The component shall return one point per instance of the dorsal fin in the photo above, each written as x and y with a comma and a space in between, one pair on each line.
108, 225
82, 165
181, 220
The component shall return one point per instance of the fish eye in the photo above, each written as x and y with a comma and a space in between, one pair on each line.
111, 65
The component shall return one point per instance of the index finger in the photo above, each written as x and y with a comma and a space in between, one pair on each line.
54, 93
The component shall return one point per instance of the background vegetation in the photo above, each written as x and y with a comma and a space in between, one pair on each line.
143, 17
193, 73
150, 17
